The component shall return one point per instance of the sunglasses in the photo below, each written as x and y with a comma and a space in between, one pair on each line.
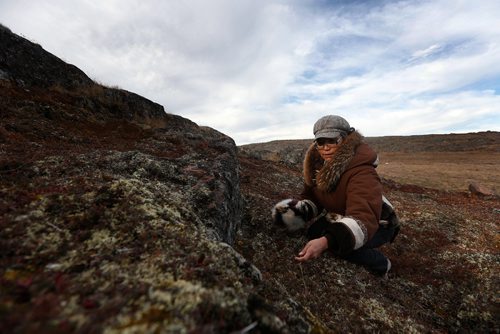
322, 143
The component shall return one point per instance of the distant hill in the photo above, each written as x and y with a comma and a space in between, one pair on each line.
488, 141
291, 152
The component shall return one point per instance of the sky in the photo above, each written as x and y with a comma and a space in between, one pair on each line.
262, 70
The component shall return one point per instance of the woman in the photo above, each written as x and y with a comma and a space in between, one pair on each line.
341, 183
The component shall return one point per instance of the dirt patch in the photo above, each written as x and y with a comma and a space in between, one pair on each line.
449, 171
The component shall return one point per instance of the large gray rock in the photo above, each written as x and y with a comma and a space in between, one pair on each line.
114, 215
30, 65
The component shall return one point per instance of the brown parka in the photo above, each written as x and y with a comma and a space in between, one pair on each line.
349, 189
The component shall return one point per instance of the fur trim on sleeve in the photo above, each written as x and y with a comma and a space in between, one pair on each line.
345, 234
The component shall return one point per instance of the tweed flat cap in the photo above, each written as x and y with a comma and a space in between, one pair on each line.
331, 126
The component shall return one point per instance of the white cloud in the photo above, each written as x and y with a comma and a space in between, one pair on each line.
425, 53
264, 70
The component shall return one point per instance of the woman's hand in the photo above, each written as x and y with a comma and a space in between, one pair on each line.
313, 249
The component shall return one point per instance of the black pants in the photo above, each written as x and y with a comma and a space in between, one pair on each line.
367, 256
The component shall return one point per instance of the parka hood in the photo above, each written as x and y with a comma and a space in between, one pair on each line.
351, 153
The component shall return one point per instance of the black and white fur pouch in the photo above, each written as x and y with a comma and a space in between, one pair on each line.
293, 213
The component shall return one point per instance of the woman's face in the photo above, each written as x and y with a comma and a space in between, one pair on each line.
327, 147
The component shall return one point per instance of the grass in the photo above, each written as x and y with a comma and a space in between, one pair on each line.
449, 171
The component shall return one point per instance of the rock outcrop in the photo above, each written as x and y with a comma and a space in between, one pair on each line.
288, 152
28, 65
478, 190
116, 216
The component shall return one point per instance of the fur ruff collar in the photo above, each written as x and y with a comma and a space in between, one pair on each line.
326, 174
